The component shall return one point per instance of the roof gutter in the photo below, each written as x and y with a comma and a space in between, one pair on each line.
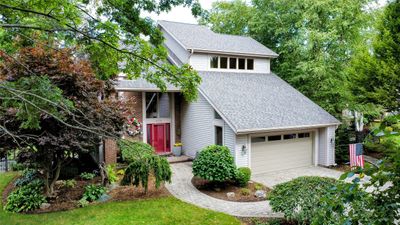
192, 50
274, 129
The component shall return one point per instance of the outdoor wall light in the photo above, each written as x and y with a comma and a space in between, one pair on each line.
244, 149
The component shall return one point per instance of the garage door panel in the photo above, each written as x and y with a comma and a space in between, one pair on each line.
279, 155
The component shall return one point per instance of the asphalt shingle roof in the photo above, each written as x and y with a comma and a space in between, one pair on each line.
197, 37
140, 84
251, 101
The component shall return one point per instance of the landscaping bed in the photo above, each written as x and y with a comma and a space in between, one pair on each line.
66, 198
220, 191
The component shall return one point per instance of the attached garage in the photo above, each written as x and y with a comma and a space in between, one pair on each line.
281, 151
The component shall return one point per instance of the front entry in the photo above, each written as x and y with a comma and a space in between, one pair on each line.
158, 136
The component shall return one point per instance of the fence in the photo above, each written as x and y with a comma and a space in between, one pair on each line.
5, 165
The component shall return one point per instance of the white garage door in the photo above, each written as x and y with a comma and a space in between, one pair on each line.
279, 152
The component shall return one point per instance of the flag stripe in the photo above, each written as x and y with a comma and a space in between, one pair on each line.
356, 157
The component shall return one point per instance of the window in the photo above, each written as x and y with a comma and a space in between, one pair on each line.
157, 105
232, 63
274, 138
289, 136
224, 62
303, 135
257, 139
214, 62
250, 64
242, 63
218, 135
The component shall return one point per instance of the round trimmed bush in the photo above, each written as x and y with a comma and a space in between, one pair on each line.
243, 176
215, 163
299, 198
132, 150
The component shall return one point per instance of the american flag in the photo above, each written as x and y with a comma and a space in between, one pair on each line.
356, 155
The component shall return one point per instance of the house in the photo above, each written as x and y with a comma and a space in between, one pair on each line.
267, 124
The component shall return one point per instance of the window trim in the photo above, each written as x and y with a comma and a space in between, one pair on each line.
228, 63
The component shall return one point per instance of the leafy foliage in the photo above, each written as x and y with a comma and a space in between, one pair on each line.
223, 17
28, 175
112, 35
26, 198
111, 174
132, 150
83, 202
375, 68
70, 183
93, 192
215, 163
299, 199
243, 176
87, 176
142, 166
376, 201
77, 130
245, 191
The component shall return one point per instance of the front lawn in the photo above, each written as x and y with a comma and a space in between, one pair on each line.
167, 210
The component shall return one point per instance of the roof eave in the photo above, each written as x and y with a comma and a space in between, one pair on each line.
197, 50
145, 89
276, 129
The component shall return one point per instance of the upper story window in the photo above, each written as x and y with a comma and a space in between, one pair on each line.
234, 63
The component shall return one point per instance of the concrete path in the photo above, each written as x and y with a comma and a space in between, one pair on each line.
183, 189
271, 179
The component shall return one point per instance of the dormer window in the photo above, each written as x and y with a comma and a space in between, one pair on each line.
232, 63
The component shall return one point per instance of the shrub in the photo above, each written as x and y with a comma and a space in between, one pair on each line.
111, 174
83, 202
245, 191
27, 177
17, 167
26, 198
87, 176
258, 186
215, 163
243, 176
132, 150
299, 199
70, 183
93, 192
139, 170
121, 172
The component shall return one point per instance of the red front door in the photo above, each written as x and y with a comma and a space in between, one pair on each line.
158, 136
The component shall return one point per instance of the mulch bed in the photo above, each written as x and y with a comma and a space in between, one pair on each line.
220, 190
341, 167
67, 198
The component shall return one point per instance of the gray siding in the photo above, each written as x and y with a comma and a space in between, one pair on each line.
197, 125
326, 151
229, 138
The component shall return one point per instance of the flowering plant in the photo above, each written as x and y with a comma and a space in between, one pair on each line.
133, 127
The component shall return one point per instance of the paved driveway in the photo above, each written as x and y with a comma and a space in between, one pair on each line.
273, 178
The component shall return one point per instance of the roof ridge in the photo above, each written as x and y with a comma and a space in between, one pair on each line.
192, 24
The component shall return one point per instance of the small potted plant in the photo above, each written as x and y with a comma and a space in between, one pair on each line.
177, 149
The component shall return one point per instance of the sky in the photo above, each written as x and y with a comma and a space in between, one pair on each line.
182, 14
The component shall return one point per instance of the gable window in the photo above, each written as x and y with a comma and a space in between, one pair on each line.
224, 62
242, 63
214, 62
232, 63
216, 115
250, 64
218, 135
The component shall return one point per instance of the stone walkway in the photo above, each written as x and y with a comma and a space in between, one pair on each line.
183, 189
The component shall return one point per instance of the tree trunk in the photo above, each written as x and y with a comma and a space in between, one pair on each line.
46, 182
56, 174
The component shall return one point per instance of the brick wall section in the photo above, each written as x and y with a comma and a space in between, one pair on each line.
110, 151
133, 102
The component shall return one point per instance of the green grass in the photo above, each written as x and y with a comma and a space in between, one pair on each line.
167, 210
